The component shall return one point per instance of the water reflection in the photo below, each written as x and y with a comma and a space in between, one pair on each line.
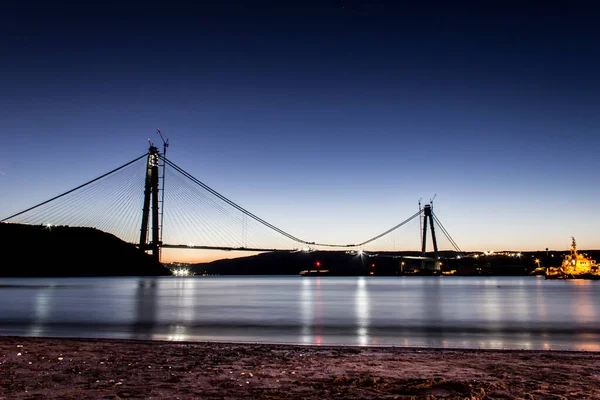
490, 303
523, 313
311, 304
520, 302
431, 303
177, 333
43, 306
177, 313
585, 314
145, 308
361, 306
582, 307
185, 295
540, 300
306, 311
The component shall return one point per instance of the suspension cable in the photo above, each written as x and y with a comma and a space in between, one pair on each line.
72, 190
231, 203
446, 233
271, 226
391, 229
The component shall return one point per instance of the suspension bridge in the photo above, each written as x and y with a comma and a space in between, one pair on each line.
155, 204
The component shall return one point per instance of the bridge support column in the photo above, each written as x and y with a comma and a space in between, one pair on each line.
427, 215
151, 201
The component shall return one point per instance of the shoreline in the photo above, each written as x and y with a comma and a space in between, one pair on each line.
85, 368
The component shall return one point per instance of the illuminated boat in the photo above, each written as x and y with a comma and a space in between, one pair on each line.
315, 272
575, 266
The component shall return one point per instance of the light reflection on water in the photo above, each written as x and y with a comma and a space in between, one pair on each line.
362, 311
469, 312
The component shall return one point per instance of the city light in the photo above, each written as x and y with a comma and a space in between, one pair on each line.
181, 272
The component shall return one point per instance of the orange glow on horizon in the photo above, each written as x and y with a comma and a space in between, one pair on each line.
194, 256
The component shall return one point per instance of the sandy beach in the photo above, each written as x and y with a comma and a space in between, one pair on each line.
49, 368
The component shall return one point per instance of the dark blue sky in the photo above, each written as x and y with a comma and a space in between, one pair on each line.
493, 105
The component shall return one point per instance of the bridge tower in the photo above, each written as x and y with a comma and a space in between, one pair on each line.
151, 204
427, 215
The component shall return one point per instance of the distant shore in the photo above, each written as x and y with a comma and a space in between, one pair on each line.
37, 368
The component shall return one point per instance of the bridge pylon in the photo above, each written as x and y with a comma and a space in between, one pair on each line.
151, 205
427, 216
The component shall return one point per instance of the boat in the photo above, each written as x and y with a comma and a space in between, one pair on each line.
575, 265
317, 271
314, 272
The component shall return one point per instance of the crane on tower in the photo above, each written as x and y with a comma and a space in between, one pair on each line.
162, 195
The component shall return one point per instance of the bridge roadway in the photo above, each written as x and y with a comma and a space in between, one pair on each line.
368, 254
185, 246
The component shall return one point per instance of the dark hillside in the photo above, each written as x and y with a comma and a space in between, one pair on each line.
37, 250
337, 263
285, 263
384, 264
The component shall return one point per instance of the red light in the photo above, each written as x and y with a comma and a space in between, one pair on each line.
318, 263
372, 265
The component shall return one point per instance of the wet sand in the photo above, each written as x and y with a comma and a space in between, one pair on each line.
49, 368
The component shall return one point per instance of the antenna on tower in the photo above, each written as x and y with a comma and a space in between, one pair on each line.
433, 198
165, 142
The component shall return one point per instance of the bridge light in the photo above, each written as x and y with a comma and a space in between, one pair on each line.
318, 264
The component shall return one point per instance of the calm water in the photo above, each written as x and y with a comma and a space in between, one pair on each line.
507, 312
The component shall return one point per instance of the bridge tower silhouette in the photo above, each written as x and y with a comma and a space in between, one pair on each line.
151, 201
428, 217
